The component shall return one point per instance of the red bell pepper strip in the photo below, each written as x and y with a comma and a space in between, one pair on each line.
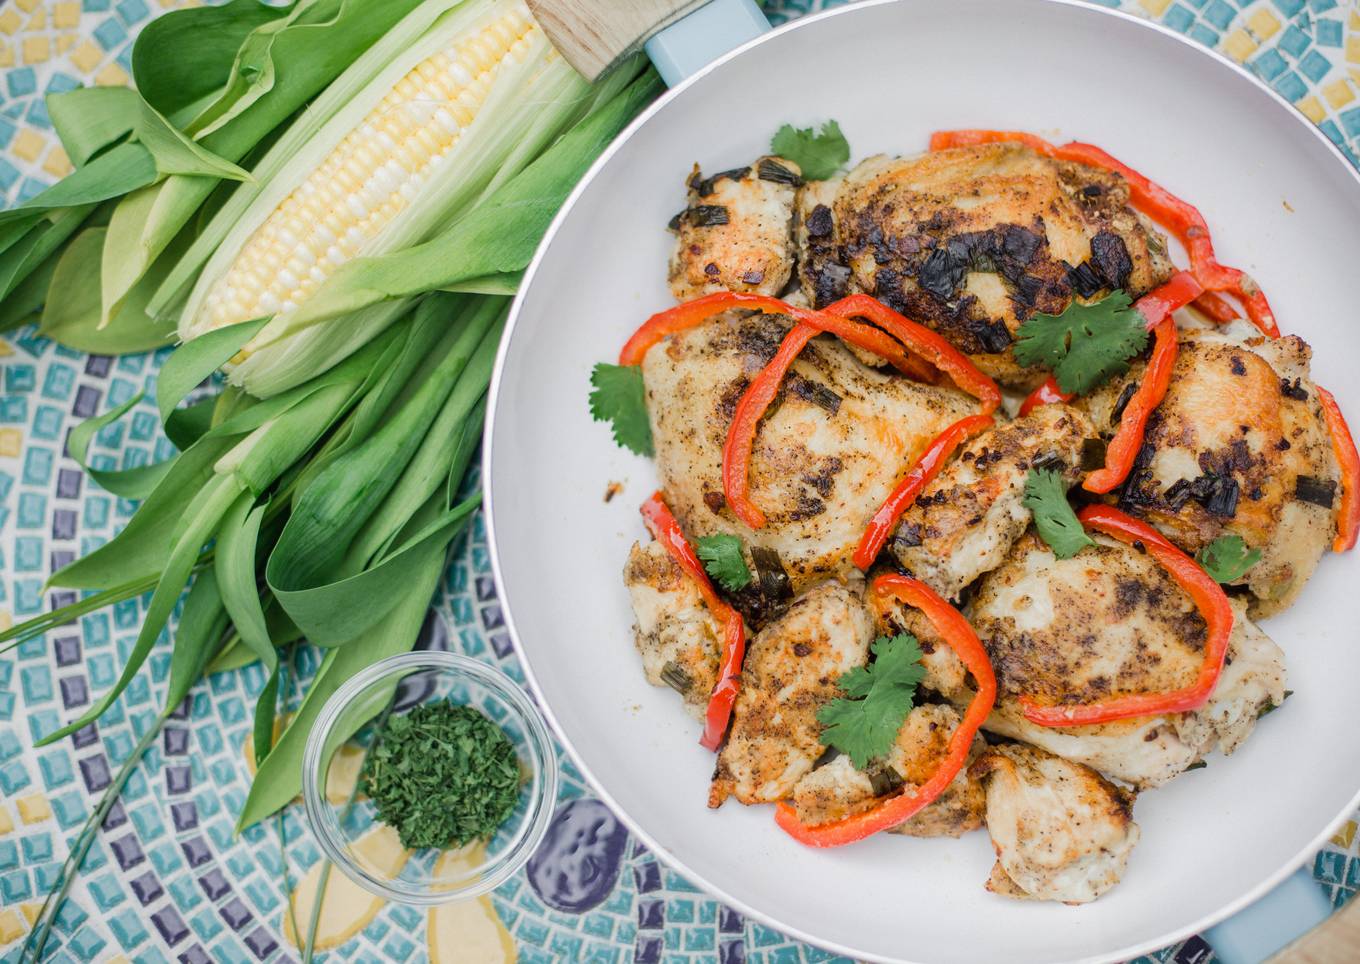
1045, 394
943, 140
666, 530
1156, 306
696, 312
926, 468
1343, 445
1209, 599
1216, 307
959, 636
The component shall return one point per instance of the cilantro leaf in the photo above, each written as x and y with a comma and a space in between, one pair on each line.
1227, 558
1058, 525
619, 397
878, 697
723, 561
820, 154
1086, 344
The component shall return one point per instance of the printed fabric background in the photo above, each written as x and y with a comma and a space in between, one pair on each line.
167, 879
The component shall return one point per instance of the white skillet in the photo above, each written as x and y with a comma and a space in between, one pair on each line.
1284, 205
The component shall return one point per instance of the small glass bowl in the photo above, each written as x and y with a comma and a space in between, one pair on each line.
403, 682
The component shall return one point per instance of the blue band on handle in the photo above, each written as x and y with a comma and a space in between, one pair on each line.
703, 36
1285, 914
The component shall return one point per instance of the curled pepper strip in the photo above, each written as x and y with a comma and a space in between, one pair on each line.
959, 636
926, 468
663, 527
1156, 306
696, 312
1045, 394
1179, 217
1343, 445
1209, 599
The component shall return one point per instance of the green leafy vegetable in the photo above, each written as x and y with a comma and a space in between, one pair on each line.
442, 775
1046, 499
619, 398
1227, 558
877, 699
1086, 344
723, 559
820, 154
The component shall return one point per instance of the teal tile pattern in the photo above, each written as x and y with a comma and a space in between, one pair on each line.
167, 878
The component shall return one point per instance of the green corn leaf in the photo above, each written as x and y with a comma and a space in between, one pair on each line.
24, 304
112, 174
133, 483
191, 423
506, 283
201, 626
37, 246
186, 369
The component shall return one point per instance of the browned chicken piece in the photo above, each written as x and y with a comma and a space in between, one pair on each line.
1061, 831
736, 234
1238, 446
790, 671
966, 519
678, 638
1105, 623
974, 240
838, 789
825, 457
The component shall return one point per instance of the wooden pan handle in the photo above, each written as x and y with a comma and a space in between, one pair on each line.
592, 34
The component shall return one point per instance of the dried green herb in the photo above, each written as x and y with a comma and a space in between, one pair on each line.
442, 776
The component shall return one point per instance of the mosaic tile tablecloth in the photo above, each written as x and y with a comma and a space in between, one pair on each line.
166, 879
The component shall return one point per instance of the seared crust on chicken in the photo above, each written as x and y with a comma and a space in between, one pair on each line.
972, 241
966, 519
1060, 830
678, 637
825, 457
838, 789
790, 671
1225, 452
736, 234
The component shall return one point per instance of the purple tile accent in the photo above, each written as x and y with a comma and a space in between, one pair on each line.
195, 955
647, 950
177, 779
500, 642
87, 735
185, 815
127, 851
74, 692
61, 558
87, 400
196, 851
1193, 951
67, 650
729, 921
492, 618
234, 912
61, 598
98, 365
170, 924
486, 588
176, 741
68, 484
116, 816
651, 915
261, 944
147, 887
214, 884
64, 524
94, 770
647, 876
181, 712
732, 952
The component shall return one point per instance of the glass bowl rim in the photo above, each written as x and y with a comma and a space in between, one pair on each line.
543, 757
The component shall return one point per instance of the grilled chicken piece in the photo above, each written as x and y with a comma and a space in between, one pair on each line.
968, 517
790, 670
680, 641
825, 457
974, 240
1060, 830
736, 234
1237, 441
1109, 622
838, 789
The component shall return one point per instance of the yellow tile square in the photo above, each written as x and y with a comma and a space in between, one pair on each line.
28, 144
112, 76
1155, 7
1338, 93
57, 163
1239, 45
1312, 109
9, 21
87, 56
65, 42
38, 21
66, 15
36, 49
34, 808
1353, 48
1264, 23
6, 55
26, 5
6, 821
11, 927
31, 911
1345, 835
11, 442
